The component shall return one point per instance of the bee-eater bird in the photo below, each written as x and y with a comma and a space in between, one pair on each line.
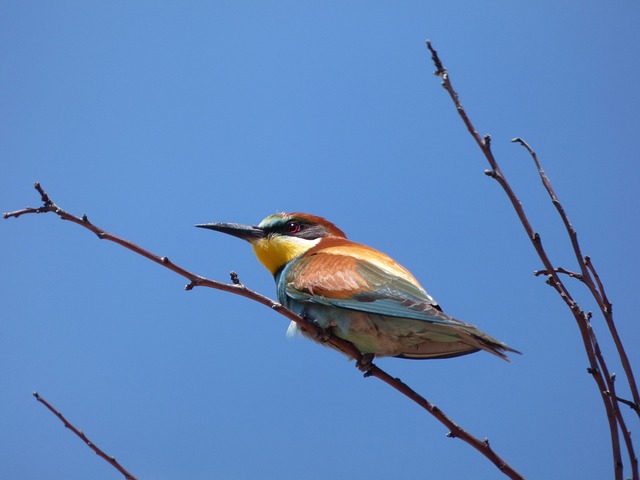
356, 292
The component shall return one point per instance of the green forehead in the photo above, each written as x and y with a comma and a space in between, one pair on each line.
275, 220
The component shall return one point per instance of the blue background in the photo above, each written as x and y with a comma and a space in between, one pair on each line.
151, 117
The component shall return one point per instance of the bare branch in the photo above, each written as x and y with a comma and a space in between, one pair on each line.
43, 209
605, 300
363, 362
587, 271
111, 460
626, 434
597, 363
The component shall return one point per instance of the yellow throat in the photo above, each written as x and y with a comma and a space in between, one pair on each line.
275, 251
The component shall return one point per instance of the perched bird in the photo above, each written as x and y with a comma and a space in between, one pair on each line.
358, 293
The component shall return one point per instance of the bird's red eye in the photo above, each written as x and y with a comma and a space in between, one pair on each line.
292, 227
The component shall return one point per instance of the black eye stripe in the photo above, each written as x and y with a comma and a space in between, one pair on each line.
297, 228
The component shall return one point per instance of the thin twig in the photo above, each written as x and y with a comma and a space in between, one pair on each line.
618, 419
111, 460
363, 363
564, 271
629, 403
588, 273
607, 311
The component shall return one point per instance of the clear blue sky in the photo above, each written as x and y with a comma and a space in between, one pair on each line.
151, 117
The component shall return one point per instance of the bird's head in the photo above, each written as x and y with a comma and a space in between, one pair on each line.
280, 238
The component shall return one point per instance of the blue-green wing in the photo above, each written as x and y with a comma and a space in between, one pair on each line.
356, 284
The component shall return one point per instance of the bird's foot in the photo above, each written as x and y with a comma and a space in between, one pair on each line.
365, 362
322, 335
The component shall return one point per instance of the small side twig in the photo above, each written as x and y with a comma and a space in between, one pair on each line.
80, 434
629, 403
564, 271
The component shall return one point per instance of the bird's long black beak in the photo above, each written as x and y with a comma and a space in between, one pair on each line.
245, 232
